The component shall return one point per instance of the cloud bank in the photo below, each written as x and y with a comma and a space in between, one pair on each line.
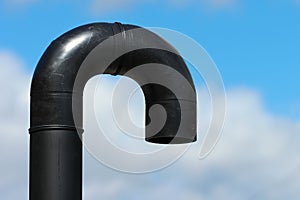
256, 158
17, 4
102, 7
14, 86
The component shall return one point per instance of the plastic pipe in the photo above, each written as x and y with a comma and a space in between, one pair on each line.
55, 138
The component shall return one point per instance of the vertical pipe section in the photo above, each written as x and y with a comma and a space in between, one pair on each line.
55, 147
56, 165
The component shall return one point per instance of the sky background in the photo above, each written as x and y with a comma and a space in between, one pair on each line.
256, 48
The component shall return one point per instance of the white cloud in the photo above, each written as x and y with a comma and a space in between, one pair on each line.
102, 7
14, 87
222, 3
256, 155
16, 4
256, 158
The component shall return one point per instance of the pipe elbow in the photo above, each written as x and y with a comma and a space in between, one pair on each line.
164, 79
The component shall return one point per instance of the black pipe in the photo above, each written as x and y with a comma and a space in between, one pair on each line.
55, 134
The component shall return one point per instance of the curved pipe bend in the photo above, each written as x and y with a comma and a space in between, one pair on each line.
53, 85
56, 98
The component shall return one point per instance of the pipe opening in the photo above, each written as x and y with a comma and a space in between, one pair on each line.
170, 140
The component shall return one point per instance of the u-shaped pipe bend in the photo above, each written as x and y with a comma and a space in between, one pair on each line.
116, 49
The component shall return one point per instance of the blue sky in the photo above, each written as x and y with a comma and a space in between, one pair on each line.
253, 44
256, 48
